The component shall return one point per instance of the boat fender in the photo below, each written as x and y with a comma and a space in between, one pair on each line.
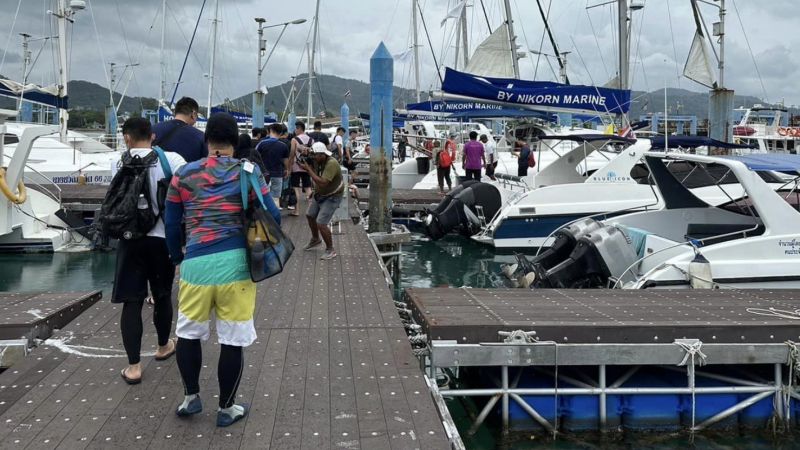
783, 131
700, 273
18, 198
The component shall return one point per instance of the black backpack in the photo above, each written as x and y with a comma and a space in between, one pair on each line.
127, 212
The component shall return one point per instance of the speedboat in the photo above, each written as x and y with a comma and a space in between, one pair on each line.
751, 241
468, 208
620, 187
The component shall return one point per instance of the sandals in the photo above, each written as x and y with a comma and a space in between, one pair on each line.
129, 380
168, 355
150, 300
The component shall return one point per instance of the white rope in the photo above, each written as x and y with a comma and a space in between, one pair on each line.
774, 312
693, 350
793, 361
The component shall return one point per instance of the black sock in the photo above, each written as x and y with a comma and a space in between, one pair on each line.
130, 323
229, 372
190, 359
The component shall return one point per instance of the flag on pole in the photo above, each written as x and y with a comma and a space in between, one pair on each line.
455, 12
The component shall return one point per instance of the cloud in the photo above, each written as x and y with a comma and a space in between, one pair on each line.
130, 32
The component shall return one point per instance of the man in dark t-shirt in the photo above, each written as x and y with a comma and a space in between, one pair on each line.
275, 155
318, 136
179, 134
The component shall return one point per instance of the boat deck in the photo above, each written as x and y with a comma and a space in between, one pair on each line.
473, 316
332, 368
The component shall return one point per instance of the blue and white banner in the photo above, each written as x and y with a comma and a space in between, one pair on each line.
239, 116
541, 95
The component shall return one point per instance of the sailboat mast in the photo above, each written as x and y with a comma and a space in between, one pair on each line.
416, 47
311, 56
721, 33
464, 37
213, 56
63, 76
163, 94
512, 38
624, 48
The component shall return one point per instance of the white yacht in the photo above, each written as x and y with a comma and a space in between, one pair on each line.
30, 203
752, 241
81, 159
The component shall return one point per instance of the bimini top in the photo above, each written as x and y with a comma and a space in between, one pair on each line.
777, 162
657, 142
611, 138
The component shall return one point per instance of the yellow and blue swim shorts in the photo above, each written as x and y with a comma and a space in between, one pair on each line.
219, 282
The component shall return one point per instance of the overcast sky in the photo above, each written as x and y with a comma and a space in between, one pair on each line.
125, 31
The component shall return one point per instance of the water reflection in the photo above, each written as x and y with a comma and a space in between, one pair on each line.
454, 261
60, 272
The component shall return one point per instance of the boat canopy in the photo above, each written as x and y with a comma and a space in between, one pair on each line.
47, 96
693, 142
777, 162
611, 138
538, 95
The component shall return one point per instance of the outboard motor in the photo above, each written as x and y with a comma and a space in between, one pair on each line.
565, 241
460, 209
598, 256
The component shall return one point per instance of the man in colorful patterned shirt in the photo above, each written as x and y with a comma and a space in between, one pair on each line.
214, 274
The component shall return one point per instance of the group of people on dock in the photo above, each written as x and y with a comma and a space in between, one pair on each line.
199, 227
478, 155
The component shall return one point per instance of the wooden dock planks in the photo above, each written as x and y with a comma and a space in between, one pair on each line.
331, 368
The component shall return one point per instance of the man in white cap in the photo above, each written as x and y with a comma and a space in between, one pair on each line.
326, 175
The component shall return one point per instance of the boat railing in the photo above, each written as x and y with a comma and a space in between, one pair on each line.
512, 182
43, 187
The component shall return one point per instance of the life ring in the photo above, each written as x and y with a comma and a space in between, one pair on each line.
794, 132
10, 195
783, 131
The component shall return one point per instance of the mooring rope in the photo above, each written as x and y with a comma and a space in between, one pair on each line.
692, 349
793, 361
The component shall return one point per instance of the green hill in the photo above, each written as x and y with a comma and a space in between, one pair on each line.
89, 99
328, 93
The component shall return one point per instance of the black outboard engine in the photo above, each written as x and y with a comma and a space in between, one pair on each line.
565, 240
460, 209
598, 256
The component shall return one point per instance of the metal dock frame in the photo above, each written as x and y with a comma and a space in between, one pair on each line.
527, 352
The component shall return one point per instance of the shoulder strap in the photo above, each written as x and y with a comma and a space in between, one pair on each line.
164, 162
244, 185
169, 133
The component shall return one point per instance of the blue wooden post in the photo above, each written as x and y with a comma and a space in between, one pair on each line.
381, 77
345, 115
290, 123
258, 109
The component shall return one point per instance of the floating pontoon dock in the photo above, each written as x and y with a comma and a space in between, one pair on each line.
622, 358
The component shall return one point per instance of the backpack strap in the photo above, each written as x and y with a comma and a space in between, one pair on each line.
164, 162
